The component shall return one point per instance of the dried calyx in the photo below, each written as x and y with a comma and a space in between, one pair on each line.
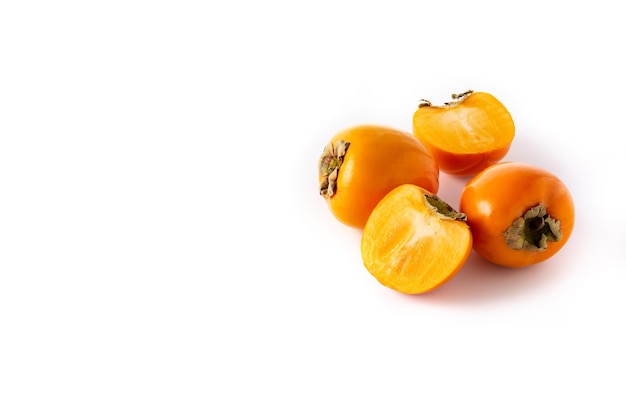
329, 165
533, 230
456, 99
444, 209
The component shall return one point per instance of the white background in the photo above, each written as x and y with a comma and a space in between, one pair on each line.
164, 250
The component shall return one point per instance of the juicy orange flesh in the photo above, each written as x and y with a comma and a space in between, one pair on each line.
409, 248
466, 127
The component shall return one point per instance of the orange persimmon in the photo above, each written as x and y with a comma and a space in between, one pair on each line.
361, 164
466, 135
519, 214
414, 242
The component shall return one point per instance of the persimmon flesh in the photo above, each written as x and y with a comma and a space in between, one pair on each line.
414, 242
361, 164
466, 135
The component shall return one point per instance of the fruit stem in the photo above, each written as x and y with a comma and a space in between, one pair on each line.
533, 230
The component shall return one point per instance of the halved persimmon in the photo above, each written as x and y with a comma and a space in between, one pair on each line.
360, 164
466, 135
414, 242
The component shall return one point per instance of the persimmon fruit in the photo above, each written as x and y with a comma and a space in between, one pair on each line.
519, 214
468, 134
361, 164
414, 242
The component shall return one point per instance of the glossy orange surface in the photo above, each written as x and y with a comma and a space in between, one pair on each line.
377, 160
502, 193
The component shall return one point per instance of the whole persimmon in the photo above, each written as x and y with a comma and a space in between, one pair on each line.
468, 134
519, 214
361, 164
414, 242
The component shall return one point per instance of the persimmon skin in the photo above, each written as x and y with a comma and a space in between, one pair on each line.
411, 246
502, 193
467, 135
468, 164
378, 159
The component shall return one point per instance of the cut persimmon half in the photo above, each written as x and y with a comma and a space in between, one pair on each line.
473, 131
414, 242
